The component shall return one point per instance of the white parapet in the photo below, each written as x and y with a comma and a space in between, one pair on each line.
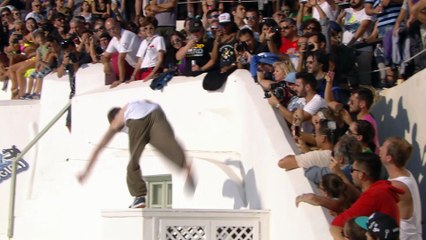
173, 224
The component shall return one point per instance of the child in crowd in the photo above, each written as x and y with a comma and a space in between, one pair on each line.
46, 60
151, 52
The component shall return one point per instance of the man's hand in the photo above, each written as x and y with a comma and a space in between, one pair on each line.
82, 177
334, 166
115, 84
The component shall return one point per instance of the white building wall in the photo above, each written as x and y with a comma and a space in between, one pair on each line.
232, 136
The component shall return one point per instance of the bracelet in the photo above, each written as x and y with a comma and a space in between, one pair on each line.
277, 106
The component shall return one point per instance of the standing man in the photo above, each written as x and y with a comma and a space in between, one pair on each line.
145, 122
394, 155
253, 23
289, 37
317, 64
36, 12
239, 13
126, 43
359, 104
165, 13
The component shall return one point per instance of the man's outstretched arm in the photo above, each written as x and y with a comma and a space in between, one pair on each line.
115, 126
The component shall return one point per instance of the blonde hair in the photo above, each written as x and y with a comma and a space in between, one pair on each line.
284, 65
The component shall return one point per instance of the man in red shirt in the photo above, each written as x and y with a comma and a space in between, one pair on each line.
377, 195
289, 36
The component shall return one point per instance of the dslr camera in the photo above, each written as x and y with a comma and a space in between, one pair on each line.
281, 92
241, 47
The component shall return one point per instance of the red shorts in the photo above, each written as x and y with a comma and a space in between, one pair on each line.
144, 72
129, 69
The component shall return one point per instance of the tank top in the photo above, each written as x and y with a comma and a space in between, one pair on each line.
411, 228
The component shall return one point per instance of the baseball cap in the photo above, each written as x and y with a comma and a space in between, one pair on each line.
268, 60
224, 18
291, 77
195, 25
380, 225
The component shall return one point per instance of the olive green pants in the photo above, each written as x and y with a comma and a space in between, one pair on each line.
156, 130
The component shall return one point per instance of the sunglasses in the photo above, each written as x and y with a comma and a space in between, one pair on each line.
285, 28
5, 14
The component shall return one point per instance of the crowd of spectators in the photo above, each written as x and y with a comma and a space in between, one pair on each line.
363, 43
317, 61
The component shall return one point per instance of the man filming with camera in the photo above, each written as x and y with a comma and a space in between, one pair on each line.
310, 101
248, 46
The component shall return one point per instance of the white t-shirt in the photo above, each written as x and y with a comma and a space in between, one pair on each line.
329, 12
352, 22
319, 158
138, 110
312, 107
150, 58
128, 43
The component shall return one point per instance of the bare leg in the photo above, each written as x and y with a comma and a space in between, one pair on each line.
38, 86
20, 75
30, 85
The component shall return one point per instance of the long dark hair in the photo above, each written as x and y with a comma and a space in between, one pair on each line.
367, 131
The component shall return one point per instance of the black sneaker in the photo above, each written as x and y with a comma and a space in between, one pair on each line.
139, 202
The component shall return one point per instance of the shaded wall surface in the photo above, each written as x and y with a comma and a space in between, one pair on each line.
400, 111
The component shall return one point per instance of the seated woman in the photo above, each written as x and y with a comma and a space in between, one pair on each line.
151, 52
101, 8
86, 12
335, 195
21, 54
175, 42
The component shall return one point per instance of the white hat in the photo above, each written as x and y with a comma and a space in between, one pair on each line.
224, 18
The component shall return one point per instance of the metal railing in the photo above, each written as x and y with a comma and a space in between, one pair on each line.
11, 219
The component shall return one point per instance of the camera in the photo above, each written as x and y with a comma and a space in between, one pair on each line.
241, 47
310, 47
281, 92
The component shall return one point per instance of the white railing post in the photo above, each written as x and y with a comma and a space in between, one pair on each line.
12, 196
